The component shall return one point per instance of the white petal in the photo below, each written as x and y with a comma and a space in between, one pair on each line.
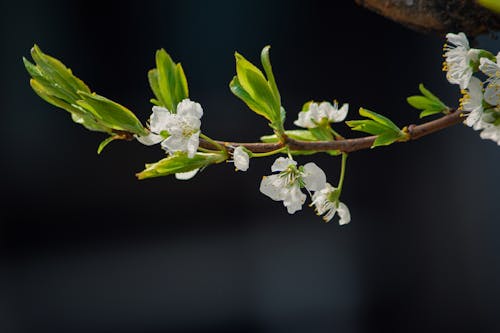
473, 118
282, 164
189, 108
336, 116
492, 93
186, 175
293, 199
241, 159
159, 119
192, 144
175, 143
304, 120
273, 186
314, 178
459, 39
488, 67
491, 133
344, 214
150, 139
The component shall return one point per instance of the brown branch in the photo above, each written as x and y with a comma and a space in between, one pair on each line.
438, 16
345, 145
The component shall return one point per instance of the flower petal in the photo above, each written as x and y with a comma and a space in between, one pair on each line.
186, 175
150, 139
159, 119
241, 158
293, 199
313, 177
273, 186
344, 214
189, 108
282, 163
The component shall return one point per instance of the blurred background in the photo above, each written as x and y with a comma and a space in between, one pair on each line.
85, 247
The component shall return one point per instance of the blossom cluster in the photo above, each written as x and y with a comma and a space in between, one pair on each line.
481, 100
180, 132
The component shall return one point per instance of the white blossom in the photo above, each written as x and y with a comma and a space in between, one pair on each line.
492, 70
491, 132
472, 101
328, 208
320, 113
176, 131
241, 159
458, 59
286, 186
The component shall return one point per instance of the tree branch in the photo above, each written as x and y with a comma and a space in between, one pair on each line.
344, 145
438, 16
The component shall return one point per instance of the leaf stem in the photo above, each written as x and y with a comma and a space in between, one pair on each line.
269, 153
342, 172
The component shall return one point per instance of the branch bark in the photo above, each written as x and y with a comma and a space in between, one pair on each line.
345, 145
437, 16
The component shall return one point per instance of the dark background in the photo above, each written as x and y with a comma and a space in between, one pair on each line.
85, 247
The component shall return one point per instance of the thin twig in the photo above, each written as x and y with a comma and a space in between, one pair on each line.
345, 145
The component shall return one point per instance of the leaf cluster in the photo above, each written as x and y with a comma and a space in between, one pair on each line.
427, 102
56, 84
386, 131
259, 93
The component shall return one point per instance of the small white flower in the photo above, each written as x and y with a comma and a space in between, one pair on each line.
241, 159
491, 132
286, 185
320, 113
324, 205
182, 128
458, 58
492, 70
472, 101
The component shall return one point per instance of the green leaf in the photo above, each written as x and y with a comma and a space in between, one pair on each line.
180, 162
55, 71
255, 84
420, 102
260, 94
427, 102
105, 142
386, 131
379, 119
428, 94
303, 135
386, 139
242, 94
266, 63
367, 126
168, 81
322, 133
111, 114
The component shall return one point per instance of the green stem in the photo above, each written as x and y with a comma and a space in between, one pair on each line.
342, 173
213, 142
269, 153
335, 134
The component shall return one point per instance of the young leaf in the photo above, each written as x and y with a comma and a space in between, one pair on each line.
260, 94
179, 163
386, 131
427, 102
168, 82
105, 142
111, 114
379, 119
266, 63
